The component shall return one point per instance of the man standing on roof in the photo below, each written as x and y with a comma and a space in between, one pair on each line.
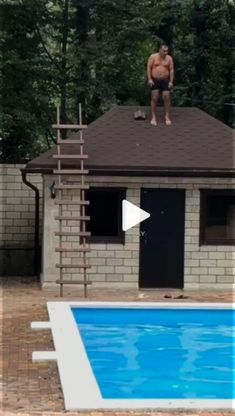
160, 72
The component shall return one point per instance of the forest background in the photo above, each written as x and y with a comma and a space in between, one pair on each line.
94, 52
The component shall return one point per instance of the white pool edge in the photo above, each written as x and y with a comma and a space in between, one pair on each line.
80, 388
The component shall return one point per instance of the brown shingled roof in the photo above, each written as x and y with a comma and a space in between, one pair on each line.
116, 143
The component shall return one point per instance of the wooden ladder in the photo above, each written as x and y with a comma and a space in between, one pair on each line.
78, 205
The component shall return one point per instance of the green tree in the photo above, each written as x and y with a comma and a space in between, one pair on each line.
22, 68
95, 53
203, 48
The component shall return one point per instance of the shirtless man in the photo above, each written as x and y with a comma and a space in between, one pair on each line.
160, 72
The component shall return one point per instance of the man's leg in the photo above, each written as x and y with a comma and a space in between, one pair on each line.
154, 100
167, 104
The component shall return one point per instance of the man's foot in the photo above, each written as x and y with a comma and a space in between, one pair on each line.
153, 122
168, 121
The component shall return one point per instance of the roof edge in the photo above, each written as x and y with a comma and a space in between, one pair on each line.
179, 172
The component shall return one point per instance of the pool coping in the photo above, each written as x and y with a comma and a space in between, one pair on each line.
80, 388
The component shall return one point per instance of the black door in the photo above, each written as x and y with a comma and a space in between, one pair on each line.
162, 239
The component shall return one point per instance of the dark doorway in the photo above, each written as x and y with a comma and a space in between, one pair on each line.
162, 239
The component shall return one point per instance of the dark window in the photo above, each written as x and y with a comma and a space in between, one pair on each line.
217, 217
105, 210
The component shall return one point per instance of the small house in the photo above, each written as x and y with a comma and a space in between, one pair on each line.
183, 175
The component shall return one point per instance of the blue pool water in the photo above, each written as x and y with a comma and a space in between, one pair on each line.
160, 353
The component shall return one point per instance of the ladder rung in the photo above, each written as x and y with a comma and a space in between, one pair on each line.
70, 141
72, 250
70, 156
79, 233
60, 217
78, 186
72, 202
73, 282
69, 126
72, 266
71, 171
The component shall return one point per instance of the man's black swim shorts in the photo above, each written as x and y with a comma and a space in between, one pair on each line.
160, 85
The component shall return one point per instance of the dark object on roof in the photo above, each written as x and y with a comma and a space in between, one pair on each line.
139, 115
195, 145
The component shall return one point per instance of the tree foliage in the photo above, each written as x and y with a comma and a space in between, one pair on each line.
95, 52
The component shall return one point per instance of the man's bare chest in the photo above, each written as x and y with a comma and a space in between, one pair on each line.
159, 62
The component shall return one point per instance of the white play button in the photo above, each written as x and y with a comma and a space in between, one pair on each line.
132, 215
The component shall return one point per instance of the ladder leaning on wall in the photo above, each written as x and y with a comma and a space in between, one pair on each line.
66, 221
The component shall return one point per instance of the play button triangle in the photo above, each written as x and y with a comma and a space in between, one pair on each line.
132, 215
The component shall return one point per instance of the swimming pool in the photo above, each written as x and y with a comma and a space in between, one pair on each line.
144, 355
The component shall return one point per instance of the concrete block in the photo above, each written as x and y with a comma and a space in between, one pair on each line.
207, 279
208, 248
195, 240
188, 226
123, 269
187, 239
8, 223
131, 278
191, 263
216, 255
195, 208
8, 193
191, 279
94, 277
114, 278
216, 271
14, 186
192, 217
114, 262
118, 247
199, 270
23, 208
105, 269
12, 200
12, 171
230, 255
90, 254
193, 201
132, 239
195, 224
124, 254
108, 253
98, 246
208, 263
199, 255
224, 263
132, 246
11, 214
29, 215
24, 194
192, 247
191, 231
225, 248
226, 279
131, 262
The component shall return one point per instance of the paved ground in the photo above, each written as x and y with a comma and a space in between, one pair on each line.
33, 389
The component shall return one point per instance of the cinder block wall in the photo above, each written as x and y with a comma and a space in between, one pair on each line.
112, 264
17, 212
115, 265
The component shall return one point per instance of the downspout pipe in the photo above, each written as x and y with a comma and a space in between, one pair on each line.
36, 223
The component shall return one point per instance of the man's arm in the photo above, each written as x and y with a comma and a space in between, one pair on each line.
171, 70
149, 69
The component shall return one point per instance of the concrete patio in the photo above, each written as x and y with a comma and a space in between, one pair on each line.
31, 389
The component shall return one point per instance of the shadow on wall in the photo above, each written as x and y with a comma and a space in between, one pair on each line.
17, 262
